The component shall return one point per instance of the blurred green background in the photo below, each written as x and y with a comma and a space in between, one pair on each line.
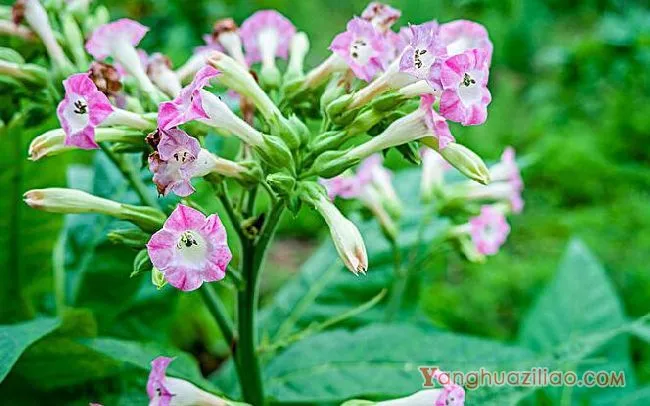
570, 87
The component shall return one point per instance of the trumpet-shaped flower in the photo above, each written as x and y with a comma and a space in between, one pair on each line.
266, 34
158, 393
159, 69
362, 47
188, 105
381, 15
82, 109
118, 41
171, 164
489, 230
225, 35
464, 79
461, 35
423, 54
190, 249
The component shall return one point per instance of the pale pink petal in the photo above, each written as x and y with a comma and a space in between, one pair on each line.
268, 22
184, 218
105, 36
160, 247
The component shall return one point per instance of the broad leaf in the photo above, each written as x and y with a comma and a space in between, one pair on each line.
16, 338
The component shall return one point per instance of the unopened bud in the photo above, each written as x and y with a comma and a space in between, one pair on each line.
53, 142
130, 237
282, 183
65, 201
298, 48
283, 128
75, 40
463, 159
333, 163
276, 153
336, 107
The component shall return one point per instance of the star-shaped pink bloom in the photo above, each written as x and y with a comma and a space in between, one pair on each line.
362, 47
158, 393
190, 249
435, 122
172, 163
464, 79
82, 109
188, 105
382, 16
266, 34
461, 35
105, 38
489, 230
423, 54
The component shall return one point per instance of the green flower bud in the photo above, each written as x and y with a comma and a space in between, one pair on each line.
282, 183
158, 278
338, 106
75, 40
141, 263
275, 152
387, 101
131, 237
10, 55
465, 160
332, 163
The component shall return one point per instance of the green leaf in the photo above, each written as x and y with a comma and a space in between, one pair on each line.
28, 235
640, 397
579, 302
140, 355
379, 362
16, 338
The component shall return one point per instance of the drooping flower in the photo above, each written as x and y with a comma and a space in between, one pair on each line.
423, 54
489, 230
266, 34
382, 16
464, 79
461, 35
187, 106
362, 47
118, 41
190, 249
82, 109
171, 164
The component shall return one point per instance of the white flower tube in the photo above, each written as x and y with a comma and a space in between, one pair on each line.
36, 18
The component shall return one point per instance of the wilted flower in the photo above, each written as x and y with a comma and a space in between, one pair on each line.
362, 47
382, 16
190, 249
187, 106
489, 230
462, 35
423, 54
464, 79
82, 109
106, 77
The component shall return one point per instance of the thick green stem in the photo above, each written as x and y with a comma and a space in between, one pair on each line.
246, 350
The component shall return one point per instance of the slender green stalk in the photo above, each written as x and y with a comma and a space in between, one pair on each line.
246, 350
218, 311
224, 198
132, 177
400, 279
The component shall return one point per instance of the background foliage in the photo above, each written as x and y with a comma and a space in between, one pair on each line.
570, 90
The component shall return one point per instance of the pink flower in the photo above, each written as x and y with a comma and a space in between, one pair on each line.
489, 230
464, 79
190, 249
188, 105
362, 47
105, 38
451, 395
266, 34
158, 393
435, 122
172, 163
422, 56
382, 16
508, 171
461, 35
82, 109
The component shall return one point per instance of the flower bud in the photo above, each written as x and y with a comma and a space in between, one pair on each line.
337, 106
275, 152
130, 237
282, 183
463, 159
75, 40
141, 263
27, 72
53, 142
333, 163
345, 235
285, 130
62, 200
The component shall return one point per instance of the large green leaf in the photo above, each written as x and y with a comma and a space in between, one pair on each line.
16, 338
580, 301
28, 236
379, 361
